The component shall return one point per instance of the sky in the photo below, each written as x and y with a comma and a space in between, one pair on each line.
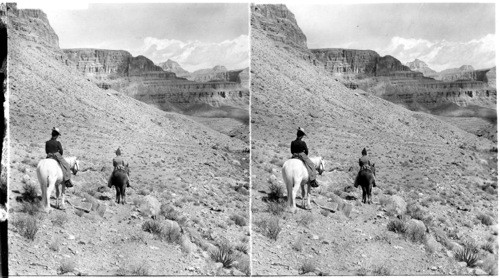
444, 35
196, 36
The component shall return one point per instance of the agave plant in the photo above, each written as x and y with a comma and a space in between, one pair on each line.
468, 254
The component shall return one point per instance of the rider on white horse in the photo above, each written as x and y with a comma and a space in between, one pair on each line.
54, 150
118, 164
364, 164
299, 150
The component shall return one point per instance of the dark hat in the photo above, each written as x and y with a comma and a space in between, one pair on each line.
301, 132
55, 131
364, 151
118, 151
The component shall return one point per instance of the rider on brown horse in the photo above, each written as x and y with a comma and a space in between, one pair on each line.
364, 164
118, 164
299, 150
54, 150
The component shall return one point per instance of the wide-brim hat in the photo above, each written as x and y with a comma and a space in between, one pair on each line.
56, 130
301, 130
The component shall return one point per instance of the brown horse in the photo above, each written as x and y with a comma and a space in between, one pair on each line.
120, 179
366, 178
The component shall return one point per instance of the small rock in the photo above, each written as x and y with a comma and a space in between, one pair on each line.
71, 237
433, 268
363, 255
462, 264
315, 237
479, 271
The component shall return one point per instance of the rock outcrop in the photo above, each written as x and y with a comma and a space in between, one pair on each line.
279, 24
420, 66
174, 67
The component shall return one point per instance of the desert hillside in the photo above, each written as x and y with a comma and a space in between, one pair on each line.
430, 174
190, 178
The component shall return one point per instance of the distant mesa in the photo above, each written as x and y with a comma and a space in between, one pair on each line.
421, 66
174, 67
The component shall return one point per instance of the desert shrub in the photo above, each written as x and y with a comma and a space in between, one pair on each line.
467, 255
415, 211
60, 219
305, 219
152, 226
415, 233
243, 248
239, 220
308, 266
489, 247
275, 192
485, 219
396, 226
362, 272
171, 233
244, 265
430, 248
490, 265
276, 208
54, 246
381, 271
141, 269
27, 227
143, 192
29, 192
297, 245
270, 227
169, 212
223, 253
31, 208
67, 266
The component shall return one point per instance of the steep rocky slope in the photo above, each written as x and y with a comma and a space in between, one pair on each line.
198, 175
445, 174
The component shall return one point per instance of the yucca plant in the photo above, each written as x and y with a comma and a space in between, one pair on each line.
468, 254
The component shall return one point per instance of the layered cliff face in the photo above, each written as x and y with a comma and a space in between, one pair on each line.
352, 61
103, 63
174, 67
140, 78
34, 26
279, 24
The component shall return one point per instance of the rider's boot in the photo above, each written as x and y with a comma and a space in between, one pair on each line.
68, 183
313, 183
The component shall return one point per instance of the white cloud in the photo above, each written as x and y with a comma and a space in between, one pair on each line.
440, 55
194, 55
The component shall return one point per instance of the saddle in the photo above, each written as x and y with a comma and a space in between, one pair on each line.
52, 156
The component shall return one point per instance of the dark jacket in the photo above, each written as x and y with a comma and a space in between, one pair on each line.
53, 146
299, 146
364, 160
118, 161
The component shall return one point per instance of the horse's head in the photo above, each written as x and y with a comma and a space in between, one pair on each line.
320, 165
74, 165
127, 169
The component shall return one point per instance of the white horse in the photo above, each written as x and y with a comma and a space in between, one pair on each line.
50, 175
295, 175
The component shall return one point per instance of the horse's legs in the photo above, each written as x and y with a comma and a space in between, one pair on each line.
123, 194
308, 196
369, 193
364, 193
303, 194
50, 187
45, 199
58, 195
117, 194
296, 187
63, 190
